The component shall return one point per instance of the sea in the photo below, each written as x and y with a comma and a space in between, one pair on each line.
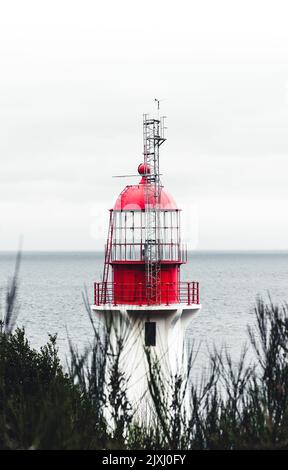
51, 288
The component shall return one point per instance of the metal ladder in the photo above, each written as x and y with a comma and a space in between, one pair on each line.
107, 260
153, 137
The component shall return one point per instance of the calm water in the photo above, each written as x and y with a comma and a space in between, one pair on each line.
51, 286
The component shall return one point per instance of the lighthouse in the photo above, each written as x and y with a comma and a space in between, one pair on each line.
141, 293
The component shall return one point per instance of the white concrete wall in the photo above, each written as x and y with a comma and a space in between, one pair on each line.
127, 324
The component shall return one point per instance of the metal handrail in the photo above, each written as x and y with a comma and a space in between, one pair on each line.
135, 294
135, 251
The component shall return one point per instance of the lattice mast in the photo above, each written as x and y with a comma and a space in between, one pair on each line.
153, 136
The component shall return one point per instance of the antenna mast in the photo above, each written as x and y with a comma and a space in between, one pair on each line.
153, 136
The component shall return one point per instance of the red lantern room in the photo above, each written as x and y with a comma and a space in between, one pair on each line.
144, 252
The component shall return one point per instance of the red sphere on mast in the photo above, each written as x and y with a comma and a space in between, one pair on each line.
144, 169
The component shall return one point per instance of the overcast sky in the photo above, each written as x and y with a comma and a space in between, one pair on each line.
75, 78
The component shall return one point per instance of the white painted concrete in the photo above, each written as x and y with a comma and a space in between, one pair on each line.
127, 324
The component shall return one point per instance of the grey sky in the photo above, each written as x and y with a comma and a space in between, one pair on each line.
75, 78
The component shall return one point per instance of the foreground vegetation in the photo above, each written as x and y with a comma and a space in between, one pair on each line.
237, 406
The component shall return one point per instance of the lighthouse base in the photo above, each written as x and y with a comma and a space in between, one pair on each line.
157, 331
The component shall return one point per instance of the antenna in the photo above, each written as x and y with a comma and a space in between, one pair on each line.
158, 106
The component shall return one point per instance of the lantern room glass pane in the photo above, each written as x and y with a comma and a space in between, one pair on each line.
129, 235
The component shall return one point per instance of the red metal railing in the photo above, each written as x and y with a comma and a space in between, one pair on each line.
124, 251
121, 293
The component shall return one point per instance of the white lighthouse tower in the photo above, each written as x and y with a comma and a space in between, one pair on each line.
141, 295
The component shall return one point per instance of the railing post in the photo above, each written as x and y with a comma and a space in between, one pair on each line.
188, 286
167, 293
95, 297
113, 293
140, 294
195, 293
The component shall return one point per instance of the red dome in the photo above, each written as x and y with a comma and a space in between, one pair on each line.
133, 198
